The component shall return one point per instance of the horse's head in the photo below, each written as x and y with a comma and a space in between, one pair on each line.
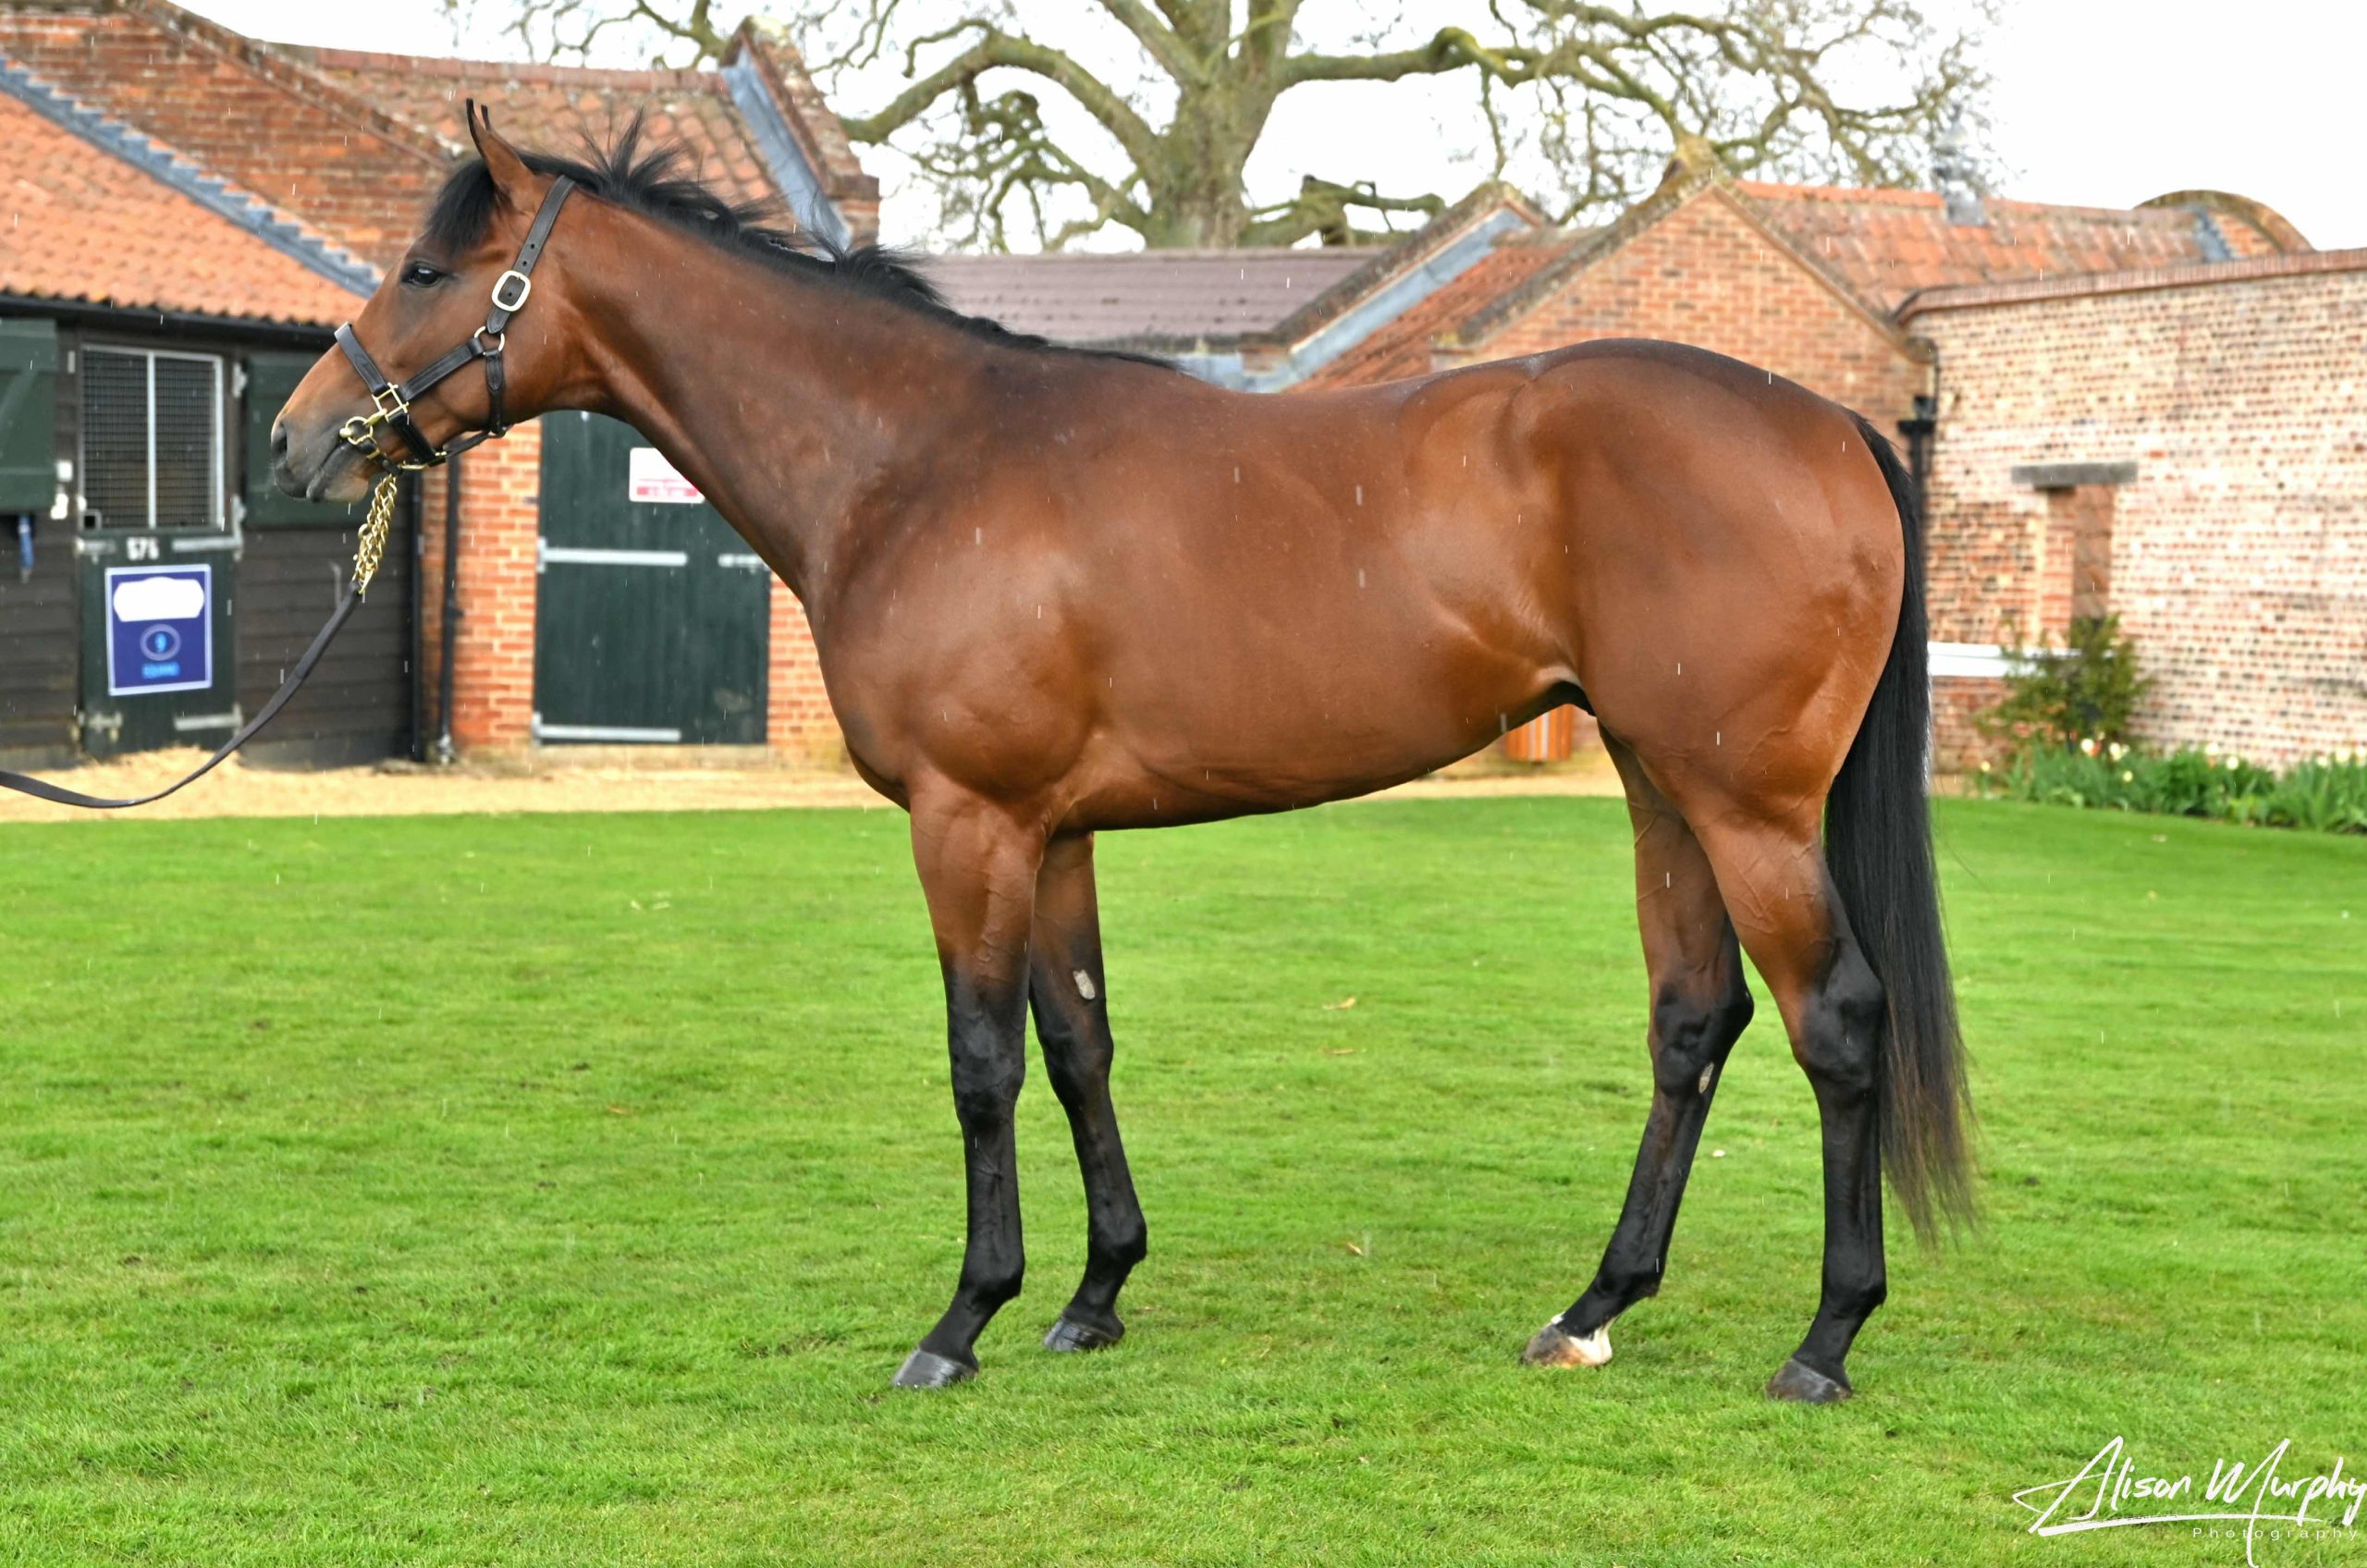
456, 348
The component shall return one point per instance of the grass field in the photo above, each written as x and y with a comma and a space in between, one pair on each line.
564, 1191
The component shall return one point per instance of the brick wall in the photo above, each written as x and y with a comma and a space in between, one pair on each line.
492, 678
2237, 553
1707, 276
1957, 744
799, 726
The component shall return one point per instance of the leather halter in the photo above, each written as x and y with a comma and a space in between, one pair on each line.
510, 292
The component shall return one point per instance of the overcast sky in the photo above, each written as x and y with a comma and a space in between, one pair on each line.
2098, 101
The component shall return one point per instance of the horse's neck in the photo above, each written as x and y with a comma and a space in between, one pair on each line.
785, 399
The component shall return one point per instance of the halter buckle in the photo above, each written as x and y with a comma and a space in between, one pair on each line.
500, 342
525, 288
361, 433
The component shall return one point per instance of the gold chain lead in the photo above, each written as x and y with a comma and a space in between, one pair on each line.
373, 543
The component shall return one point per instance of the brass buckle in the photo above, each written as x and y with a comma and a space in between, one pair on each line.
362, 431
525, 288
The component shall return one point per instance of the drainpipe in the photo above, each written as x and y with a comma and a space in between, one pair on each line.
415, 517
1917, 432
444, 752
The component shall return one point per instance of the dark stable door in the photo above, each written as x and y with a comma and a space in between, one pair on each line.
653, 618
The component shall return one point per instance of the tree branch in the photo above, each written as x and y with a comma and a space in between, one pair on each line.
996, 48
1159, 41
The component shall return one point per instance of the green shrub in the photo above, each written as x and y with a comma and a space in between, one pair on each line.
2325, 796
2328, 795
2088, 688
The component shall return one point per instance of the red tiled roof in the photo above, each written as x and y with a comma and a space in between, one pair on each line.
1482, 208
78, 223
1141, 296
1886, 244
205, 92
553, 108
2240, 269
1401, 348
358, 144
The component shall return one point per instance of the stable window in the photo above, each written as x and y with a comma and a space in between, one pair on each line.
152, 439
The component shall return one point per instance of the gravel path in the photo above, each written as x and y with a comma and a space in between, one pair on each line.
235, 790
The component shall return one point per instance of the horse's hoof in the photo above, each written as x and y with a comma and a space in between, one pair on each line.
1553, 1347
1798, 1383
927, 1369
1069, 1334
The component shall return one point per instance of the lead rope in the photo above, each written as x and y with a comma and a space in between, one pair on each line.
369, 551
371, 545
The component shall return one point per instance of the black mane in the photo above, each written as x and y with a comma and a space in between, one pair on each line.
659, 181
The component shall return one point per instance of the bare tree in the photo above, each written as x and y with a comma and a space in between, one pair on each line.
1597, 95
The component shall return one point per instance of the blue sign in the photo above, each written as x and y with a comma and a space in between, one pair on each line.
160, 629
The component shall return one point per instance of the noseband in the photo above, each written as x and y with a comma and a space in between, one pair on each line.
510, 292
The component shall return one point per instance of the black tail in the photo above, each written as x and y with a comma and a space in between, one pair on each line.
1878, 847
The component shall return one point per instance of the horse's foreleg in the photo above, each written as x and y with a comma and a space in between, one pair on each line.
1071, 1001
978, 866
1700, 1007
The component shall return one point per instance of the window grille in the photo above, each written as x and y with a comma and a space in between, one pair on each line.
152, 439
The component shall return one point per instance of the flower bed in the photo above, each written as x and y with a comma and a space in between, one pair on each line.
2324, 795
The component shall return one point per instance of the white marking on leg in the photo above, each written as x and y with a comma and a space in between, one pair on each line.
1592, 1350
1084, 985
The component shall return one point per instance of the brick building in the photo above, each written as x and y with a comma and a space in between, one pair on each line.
2185, 445
2156, 411
183, 197
345, 150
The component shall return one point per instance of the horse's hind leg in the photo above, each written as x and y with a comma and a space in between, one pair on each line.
1772, 871
1071, 1000
1699, 1006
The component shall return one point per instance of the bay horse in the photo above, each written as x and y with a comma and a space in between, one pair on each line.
1055, 592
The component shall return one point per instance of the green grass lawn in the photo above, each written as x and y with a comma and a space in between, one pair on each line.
565, 1190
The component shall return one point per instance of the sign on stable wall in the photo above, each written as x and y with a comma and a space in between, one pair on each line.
650, 478
160, 629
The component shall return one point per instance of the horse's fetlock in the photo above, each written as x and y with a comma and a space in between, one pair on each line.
1127, 1246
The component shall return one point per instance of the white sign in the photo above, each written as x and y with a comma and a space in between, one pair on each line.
649, 477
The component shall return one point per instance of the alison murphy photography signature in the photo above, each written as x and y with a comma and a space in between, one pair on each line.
2110, 1492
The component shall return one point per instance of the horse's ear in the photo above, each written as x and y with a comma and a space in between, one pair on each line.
511, 177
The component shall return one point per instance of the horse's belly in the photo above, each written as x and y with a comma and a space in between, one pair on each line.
1284, 704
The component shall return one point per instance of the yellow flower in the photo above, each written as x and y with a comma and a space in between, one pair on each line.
2127, 776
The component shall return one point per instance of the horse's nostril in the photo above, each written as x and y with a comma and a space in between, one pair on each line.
278, 440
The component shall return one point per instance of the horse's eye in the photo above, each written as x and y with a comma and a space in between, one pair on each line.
418, 274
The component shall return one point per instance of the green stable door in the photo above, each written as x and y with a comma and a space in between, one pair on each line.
653, 624
159, 545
